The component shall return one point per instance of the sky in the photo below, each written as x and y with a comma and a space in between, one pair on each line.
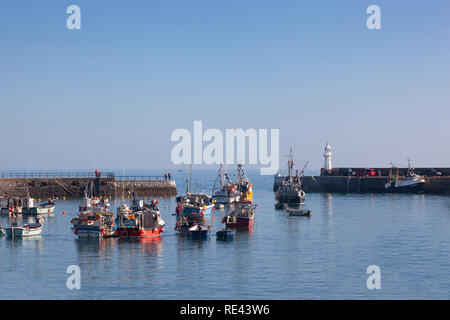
110, 94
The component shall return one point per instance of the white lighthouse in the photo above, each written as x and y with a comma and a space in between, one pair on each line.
327, 155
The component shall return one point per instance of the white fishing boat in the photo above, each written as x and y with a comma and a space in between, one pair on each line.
31, 209
410, 183
227, 192
27, 230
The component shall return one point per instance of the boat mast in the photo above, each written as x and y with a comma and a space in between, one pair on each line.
290, 164
220, 177
188, 182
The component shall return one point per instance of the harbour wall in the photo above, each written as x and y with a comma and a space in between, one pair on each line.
363, 184
74, 187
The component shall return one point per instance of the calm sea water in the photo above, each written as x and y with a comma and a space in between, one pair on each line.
322, 257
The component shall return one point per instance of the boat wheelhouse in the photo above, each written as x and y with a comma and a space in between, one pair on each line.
141, 221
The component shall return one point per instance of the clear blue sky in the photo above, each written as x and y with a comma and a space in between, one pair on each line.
109, 95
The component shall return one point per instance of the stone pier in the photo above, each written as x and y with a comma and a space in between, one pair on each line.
74, 187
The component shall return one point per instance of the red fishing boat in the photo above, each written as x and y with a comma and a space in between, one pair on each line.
241, 217
144, 220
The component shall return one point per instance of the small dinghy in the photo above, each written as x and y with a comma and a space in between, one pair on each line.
225, 234
199, 231
27, 230
302, 213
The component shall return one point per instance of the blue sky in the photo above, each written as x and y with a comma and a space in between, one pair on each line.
109, 95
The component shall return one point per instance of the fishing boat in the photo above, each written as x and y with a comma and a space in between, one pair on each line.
192, 209
244, 186
194, 203
31, 209
13, 206
94, 218
26, 230
190, 215
411, 183
241, 217
140, 221
290, 190
227, 192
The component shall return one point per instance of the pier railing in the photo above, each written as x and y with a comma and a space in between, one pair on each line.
78, 175
140, 178
69, 174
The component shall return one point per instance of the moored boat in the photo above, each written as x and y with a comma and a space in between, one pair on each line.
244, 186
199, 231
31, 209
141, 221
241, 217
290, 190
94, 219
411, 183
13, 206
26, 230
188, 216
227, 192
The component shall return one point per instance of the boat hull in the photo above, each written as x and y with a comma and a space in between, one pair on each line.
5, 211
139, 233
411, 188
20, 232
88, 232
291, 200
240, 223
45, 209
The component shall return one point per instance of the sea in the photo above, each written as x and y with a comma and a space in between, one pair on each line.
330, 255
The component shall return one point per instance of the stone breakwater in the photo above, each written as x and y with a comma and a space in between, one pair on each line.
74, 187
376, 184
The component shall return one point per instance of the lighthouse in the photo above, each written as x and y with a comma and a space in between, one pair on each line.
327, 155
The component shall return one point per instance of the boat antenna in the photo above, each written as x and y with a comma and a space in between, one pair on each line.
220, 176
123, 185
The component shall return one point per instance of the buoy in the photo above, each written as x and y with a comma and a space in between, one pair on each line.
56, 198
114, 201
39, 200
157, 201
64, 212
64, 198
